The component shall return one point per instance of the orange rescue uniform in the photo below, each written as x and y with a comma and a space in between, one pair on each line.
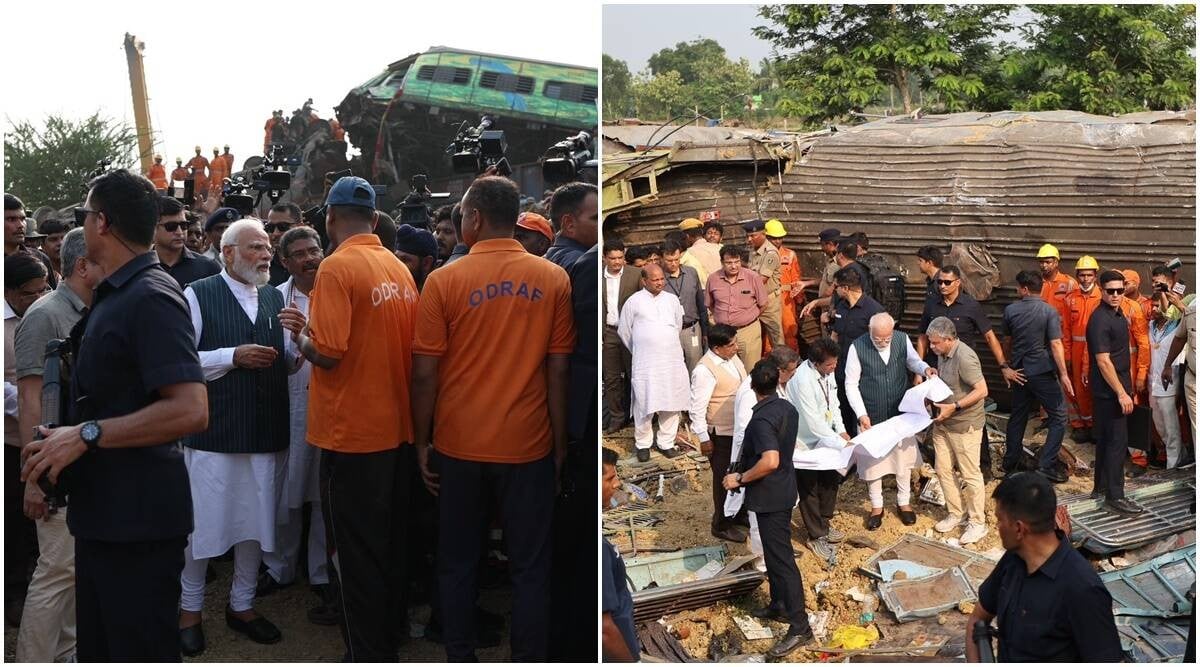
199, 167
1080, 306
218, 172
179, 174
1056, 290
790, 296
158, 176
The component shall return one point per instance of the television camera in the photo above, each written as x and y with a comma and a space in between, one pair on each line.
572, 159
271, 178
476, 149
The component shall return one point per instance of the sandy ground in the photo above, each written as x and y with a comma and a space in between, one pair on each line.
688, 513
303, 641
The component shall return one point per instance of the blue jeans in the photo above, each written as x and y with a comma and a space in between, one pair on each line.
1042, 389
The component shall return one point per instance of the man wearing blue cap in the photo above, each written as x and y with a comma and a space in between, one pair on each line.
358, 336
416, 249
218, 221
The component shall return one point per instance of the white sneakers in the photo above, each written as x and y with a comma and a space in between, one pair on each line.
973, 533
950, 523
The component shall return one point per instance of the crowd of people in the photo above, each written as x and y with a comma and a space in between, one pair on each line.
343, 400
725, 337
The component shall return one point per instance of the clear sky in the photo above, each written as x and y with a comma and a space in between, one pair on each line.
214, 71
633, 33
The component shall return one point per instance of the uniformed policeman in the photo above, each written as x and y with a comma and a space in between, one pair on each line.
764, 259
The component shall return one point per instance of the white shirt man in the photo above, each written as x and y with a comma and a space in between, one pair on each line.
715, 381
1162, 399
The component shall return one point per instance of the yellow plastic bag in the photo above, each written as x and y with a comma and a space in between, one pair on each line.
854, 637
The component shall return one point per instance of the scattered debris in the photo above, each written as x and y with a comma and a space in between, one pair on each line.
928, 596
852, 637
900, 570
862, 541
1152, 639
1156, 587
1154, 549
658, 642
1169, 508
819, 622
752, 629
933, 554
667, 583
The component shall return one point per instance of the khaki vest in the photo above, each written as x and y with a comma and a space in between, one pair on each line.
720, 407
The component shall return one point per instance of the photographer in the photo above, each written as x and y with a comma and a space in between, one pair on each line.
138, 389
573, 211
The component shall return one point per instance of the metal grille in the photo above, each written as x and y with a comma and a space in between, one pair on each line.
506, 83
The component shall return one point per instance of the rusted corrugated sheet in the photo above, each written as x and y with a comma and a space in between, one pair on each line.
639, 137
1121, 191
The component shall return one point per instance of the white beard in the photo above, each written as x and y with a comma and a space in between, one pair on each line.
246, 271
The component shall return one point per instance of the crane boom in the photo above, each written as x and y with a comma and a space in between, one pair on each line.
141, 103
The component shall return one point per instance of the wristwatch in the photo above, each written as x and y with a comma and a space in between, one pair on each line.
1005, 365
739, 478
89, 432
957, 407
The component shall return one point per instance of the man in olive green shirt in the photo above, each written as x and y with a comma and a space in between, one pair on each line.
957, 430
764, 260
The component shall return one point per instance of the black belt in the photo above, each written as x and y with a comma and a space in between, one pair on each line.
689, 326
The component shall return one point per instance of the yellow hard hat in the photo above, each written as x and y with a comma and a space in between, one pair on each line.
1087, 262
690, 223
1048, 251
774, 229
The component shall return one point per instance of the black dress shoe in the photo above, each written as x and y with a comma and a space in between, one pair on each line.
191, 640
259, 630
1125, 506
770, 613
907, 517
613, 427
1053, 475
267, 585
789, 643
643, 455
731, 533
672, 453
874, 521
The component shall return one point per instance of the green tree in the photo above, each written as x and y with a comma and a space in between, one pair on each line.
690, 59
617, 86
50, 165
844, 57
660, 96
1106, 59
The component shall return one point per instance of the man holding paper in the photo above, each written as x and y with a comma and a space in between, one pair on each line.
878, 364
813, 392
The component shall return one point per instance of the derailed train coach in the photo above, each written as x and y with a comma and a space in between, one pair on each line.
990, 187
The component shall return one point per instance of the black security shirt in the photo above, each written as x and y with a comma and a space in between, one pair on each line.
773, 425
192, 267
1060, 613
971, 323
1032, 324
137, 338
1108, 331
850, 322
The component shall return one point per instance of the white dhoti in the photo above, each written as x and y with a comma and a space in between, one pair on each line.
235, 498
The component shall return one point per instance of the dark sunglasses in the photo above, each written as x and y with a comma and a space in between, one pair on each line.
1115, 290
81, 214
172, 226
946, 282
281, 226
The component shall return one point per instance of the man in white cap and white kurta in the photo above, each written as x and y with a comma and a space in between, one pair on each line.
649, 327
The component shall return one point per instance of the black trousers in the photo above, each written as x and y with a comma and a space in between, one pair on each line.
127, 600
719, 462
573, 594
1110, 428
20, 534
784, 576
1042, 389
818, 499
364, 499
524, 494
616, 367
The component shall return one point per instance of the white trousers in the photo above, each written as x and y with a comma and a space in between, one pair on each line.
246, 558
903, 489
47, 631
1166, 420
756, 542
281, 563
668, 427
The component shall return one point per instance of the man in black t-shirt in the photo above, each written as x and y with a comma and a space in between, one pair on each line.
138, 388
770, 482
1109, 380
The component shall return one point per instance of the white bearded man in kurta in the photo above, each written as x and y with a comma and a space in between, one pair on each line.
649, 326
878, 368
236, 466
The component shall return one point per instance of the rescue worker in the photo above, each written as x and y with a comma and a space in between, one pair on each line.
790, 294
218, 171
228, 157
1133, 290
158, 174
275, 119
179, 173
199, 167
1081, 303
1056, 285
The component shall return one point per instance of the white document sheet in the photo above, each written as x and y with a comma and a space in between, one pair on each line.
823, 458
880, 439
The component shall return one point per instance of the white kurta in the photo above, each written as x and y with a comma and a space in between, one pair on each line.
904, 456
649, 327
235, 497
300, 485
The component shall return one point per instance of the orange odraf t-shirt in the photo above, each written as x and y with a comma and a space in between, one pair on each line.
492, 317
363, 307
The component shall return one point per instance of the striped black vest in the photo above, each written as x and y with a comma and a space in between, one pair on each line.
882, 386
247, 408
